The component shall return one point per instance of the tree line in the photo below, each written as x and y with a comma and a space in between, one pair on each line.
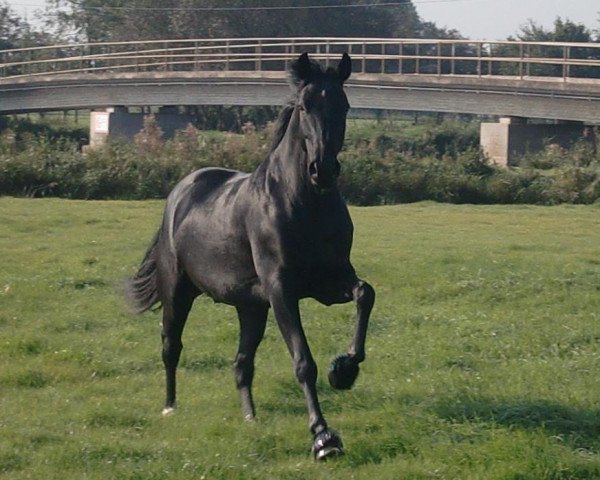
131, 20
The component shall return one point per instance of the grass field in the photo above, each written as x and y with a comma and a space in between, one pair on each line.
483, 355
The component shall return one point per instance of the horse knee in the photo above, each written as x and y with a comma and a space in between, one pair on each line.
364, 294
306, 370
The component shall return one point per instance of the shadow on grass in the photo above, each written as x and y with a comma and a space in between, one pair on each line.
581, 427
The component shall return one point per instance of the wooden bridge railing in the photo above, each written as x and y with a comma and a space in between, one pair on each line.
522, 60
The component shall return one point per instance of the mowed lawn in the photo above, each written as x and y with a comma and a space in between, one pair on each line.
483, 353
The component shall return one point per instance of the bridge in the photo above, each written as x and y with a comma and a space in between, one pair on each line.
543, 80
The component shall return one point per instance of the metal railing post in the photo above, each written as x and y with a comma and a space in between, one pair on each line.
452, 60
327, 53
439, 59
417, 59
528, 65
522, 56
258, 62
364, 61
227, 55
564, 64
479, 59
400, 53
349, 46
196, 66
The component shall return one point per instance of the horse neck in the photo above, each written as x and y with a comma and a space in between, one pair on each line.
286, 167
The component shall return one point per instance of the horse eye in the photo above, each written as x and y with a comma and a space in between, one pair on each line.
301, 107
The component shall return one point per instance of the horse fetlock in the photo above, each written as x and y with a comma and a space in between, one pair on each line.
247, 402
358, 357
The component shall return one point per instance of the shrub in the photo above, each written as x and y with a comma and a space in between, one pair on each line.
442, 164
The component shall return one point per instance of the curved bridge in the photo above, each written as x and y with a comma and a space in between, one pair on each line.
521, 79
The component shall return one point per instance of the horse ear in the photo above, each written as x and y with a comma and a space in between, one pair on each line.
301, 70
345, 67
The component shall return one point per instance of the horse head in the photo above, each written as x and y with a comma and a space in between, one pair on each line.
322, 106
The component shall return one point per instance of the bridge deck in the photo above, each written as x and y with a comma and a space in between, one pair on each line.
531, 97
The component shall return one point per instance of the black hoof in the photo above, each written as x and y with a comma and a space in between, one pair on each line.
327, 444
343, 372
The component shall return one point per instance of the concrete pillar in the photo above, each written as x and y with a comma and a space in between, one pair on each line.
99, 127
118, 122
504, 142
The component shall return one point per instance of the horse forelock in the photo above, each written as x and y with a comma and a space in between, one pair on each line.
296, 80
331, 72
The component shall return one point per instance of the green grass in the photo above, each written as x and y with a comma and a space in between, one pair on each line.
483, 354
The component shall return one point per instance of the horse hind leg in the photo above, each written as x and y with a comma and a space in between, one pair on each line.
252, 320
175, 313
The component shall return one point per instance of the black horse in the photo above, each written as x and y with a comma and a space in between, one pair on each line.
266, 239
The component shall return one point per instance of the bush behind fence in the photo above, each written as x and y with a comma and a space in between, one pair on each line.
441, 163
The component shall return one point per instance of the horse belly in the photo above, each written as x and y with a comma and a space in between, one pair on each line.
223, 270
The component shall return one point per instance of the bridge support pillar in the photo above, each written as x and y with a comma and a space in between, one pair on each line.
118, 122
504, 142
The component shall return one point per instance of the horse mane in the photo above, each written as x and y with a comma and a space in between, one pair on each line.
282, 122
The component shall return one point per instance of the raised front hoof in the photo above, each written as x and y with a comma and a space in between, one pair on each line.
343, 372
327, 444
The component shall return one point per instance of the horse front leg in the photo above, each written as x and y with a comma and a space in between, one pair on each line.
344, 368
327, 443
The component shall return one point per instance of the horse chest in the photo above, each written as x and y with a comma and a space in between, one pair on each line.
320, 251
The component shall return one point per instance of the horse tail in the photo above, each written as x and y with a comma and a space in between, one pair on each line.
142, 289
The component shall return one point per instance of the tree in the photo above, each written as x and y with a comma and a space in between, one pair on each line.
96, 20
11, 27
83, 20
562, 31
16, 33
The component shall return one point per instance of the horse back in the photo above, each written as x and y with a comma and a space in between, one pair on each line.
202, 186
